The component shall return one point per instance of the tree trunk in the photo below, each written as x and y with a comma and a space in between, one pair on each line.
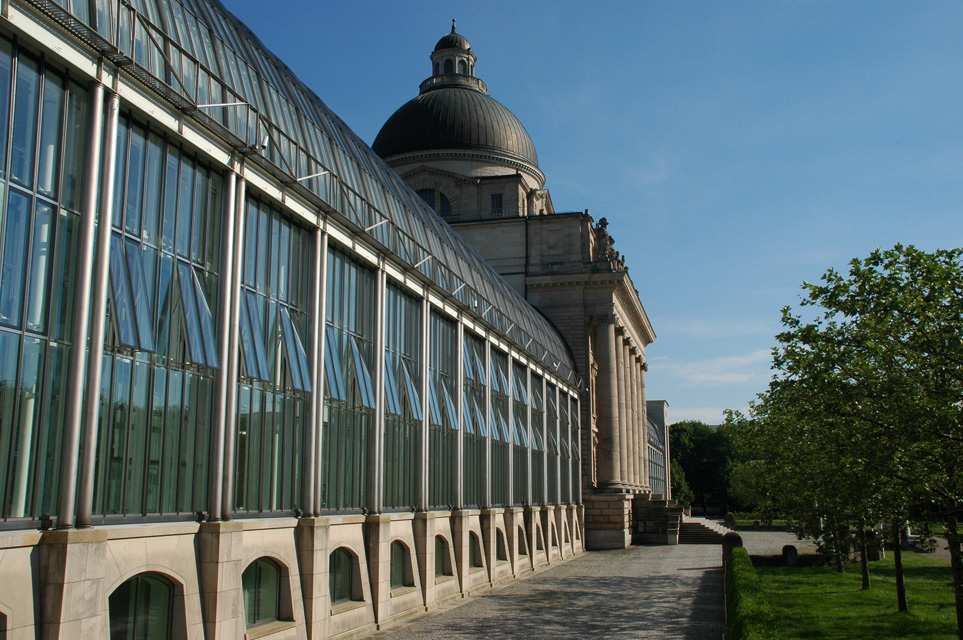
837, 546
863, 559
953, 538
901, 604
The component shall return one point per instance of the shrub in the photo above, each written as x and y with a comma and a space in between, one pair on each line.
748, 613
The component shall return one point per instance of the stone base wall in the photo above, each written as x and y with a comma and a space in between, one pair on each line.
608, 521
655, 521
57, 584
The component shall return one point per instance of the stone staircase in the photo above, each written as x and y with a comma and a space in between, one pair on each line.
701, 531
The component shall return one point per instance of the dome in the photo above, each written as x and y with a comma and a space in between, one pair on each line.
453, 41
454, 117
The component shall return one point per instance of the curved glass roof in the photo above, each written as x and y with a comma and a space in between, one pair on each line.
204, 61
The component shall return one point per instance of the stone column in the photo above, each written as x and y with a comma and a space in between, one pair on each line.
633, 397
607, 408
645, 422
623, 418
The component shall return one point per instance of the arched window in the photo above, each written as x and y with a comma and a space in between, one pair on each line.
401, 575
502, 549
141, 608
474, 552
344, 577
442, 557
522, 543
462, 67
435, 69
261, 584
438, 202
449, 66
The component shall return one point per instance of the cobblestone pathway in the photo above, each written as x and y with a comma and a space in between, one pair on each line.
642, 592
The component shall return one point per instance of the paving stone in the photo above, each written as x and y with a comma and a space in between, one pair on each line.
657, 593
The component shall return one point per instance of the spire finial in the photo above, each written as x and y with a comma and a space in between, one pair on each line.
453, 25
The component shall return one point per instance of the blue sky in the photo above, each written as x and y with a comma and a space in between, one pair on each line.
737, 149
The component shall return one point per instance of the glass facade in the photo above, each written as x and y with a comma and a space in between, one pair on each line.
349, 391
164, 361
501, 437
522, 442
442, 412
275, 382
42, 136
474, 414
403, 409
160, 349
538, 440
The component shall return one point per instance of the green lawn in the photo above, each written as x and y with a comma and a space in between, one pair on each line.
820, 603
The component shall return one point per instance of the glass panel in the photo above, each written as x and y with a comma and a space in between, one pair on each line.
391, 388
50, 121
76, 137
37, 297
247, 345
15, 231
365, 388
207, 323
24, 121
140, 292
332, 367
185, 277
153, 176
257, 328
185, 198
135, 181
120, 170
121, 304
5, 73
414, 398
295, 353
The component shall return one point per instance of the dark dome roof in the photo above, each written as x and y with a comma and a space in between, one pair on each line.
454, 118
453, 41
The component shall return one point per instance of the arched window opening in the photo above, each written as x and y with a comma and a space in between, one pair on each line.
539, 546
462, 67
401, 574
522, 542
474, 553
442, 557
502, 548
434, 69
449, 66
438, 202
141, 608
261, 585
344, 577
554, 538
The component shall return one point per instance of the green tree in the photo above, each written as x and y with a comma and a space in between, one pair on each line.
703, 454
864, 417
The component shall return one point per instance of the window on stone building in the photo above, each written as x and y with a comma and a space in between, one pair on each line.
261, 584
449, 66
438, 202
462, 67
401, 574
442, 557
502, 549
344, 577
141, 608
474, 552
497, 204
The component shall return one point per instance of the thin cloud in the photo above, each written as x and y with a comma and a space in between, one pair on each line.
717, 372
708, 415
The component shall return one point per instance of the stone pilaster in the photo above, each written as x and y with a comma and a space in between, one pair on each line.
622, 409
313, 558
220, 545
73, 601
607, 409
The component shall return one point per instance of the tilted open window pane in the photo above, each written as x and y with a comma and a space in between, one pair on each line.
257, 331
122, 307
391, 388
414, 398
138, 282
365, 387
333, 373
